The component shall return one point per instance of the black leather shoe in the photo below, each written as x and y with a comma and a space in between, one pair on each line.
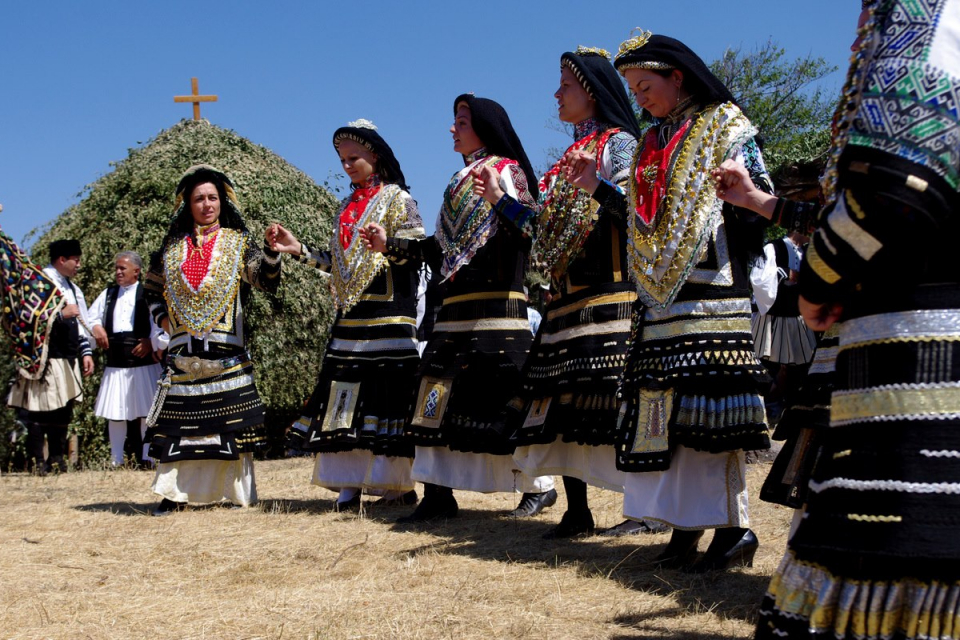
408, 499
572, 524
633, 527
166, 507
353, 504
432, 507
533, 503
723, 555
681, 549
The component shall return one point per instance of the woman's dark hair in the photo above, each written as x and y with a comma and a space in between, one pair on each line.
182, 223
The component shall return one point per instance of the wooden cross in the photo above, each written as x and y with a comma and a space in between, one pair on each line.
195, 98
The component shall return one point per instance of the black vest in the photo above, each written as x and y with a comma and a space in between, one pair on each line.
122, 343
65, 335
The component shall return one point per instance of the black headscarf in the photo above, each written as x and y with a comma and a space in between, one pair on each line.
182, 223
660, 53
601, 81
363, 132
495, 131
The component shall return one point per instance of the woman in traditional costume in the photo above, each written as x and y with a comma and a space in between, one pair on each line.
356, 416
565, 415
207, 419
876, 553
471, 365
691, 400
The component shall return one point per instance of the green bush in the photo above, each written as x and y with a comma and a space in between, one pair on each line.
130, 209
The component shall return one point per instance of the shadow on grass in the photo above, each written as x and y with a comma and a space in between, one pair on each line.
479, 534
266, 506
661, 624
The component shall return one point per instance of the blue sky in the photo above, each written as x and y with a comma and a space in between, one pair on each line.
85, 81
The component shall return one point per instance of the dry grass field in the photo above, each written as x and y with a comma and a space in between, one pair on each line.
80, 558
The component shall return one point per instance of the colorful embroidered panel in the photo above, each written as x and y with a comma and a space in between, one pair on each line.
568, 213
663, 251
31, 302
200, 309
466, 221
354, 268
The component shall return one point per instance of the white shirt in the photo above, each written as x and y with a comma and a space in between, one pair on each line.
123, 312
73, 295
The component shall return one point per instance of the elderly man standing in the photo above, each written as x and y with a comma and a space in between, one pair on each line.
47, 402
122, 326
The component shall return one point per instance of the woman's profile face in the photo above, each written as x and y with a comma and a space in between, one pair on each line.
654, 92
359, 162
574, 104
465, 139
205, 203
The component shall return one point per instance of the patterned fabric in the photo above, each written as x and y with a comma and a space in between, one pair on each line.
31, 302
665, 244
692, 377
570, 380
902, 94
199, 307
353, 267
471, 365
366, 382
802, 426
216, 416
466, 221
876, 555
567, 213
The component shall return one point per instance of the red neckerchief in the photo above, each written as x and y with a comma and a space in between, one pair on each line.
651, 174
352, 212
199, 254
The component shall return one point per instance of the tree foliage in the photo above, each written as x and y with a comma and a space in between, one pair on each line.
783, 99
130, 209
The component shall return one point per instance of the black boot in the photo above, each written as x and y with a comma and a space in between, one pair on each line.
533, 503
166, 507
730, 547
438, 502
680, 550
573, 524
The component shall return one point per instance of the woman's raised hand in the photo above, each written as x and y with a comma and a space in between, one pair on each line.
486, 184
374, 236
580, 169
735, 186
280, 239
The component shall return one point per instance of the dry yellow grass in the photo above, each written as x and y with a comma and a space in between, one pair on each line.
79, 558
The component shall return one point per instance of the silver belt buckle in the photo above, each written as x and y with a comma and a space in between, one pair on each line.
198, 368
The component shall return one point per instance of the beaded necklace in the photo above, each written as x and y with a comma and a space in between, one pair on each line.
568, 213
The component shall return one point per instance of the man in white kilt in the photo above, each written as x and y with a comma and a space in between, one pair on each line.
47, 402
122, 326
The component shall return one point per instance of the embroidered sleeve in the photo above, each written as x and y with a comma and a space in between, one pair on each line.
796, 216
403, 250
853, 236
412, 225
517, 206
313, 258
262, 268
614, 175
153, 285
